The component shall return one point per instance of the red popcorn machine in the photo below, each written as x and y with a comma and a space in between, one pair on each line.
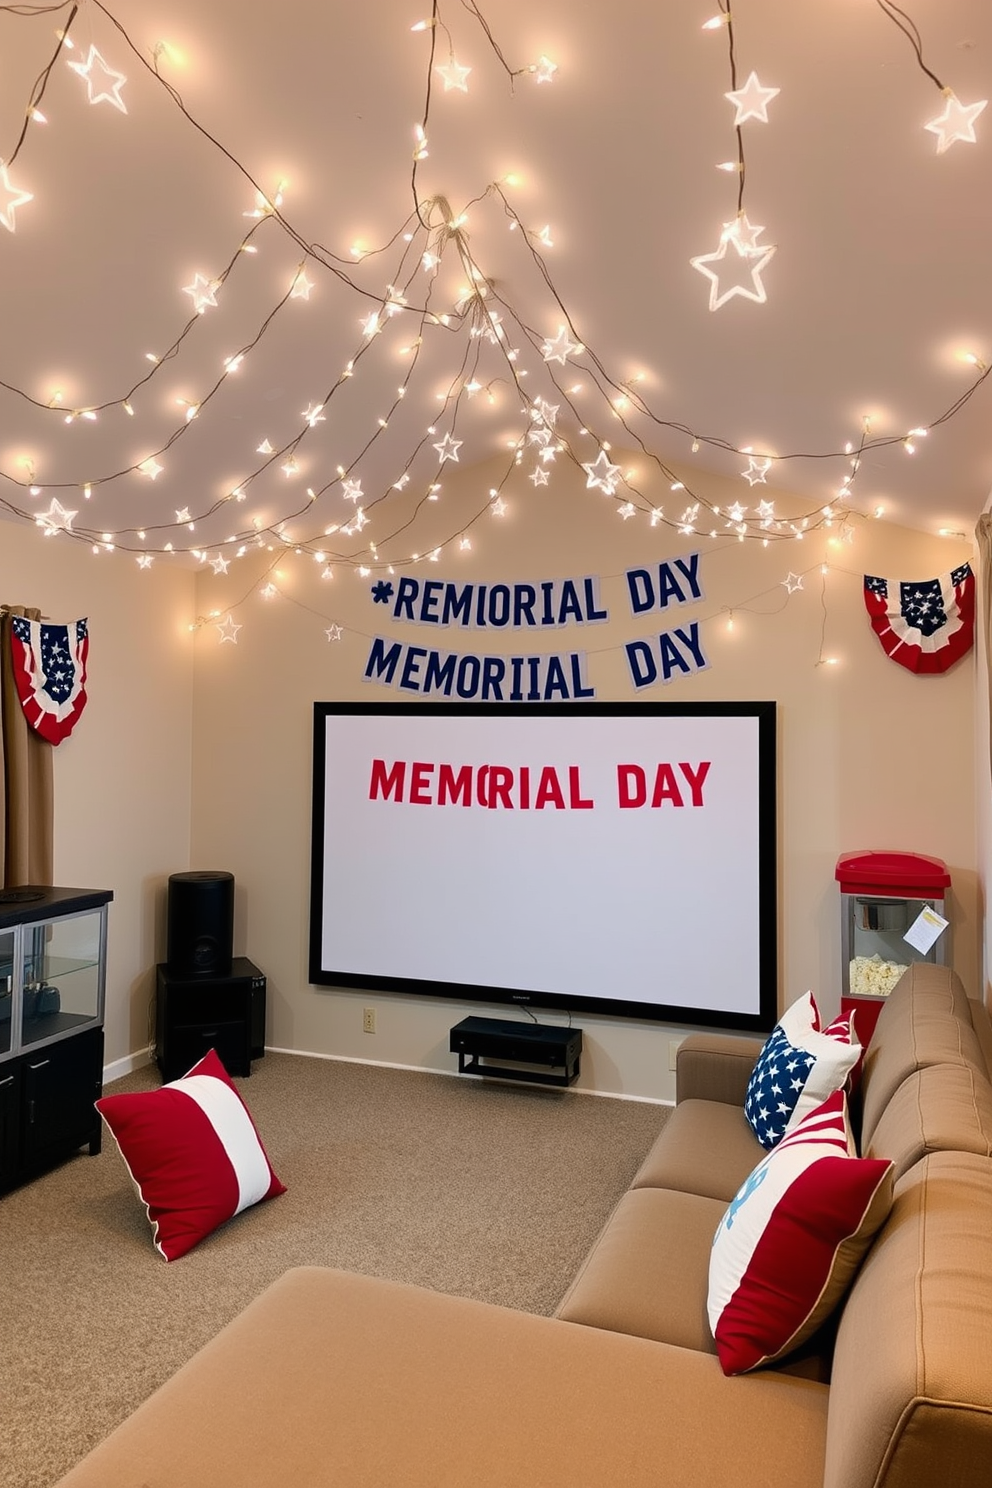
892, 915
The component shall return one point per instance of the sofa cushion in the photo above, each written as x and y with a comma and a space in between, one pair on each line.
911, 1398
799, 1066
925, 1021
705, 1147
331, 1379
647, 1272
193, 1154
941, 1108
791, 1239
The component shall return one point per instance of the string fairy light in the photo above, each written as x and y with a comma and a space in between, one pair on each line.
431, 237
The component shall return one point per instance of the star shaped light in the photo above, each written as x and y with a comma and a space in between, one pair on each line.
454, 76
301, 287
544, 70
145, 560
184, 515
151, 467
559, 348
203, 292
313, 414
448, 448
602, 474
103, 84
627, 510
793, 582
352, 490
220, 564
755, 265
539, 476
10, 198
56, 519
756, 470
751, 101
333, 632
228, 630
743, 234
957, 122
498, 507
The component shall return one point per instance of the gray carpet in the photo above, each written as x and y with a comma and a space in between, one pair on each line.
478, 1188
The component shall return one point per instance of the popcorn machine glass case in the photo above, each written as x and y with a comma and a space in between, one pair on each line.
883, 895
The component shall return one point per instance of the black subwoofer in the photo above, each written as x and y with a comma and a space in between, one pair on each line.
200, 924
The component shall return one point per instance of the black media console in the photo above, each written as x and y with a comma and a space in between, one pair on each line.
517, 1051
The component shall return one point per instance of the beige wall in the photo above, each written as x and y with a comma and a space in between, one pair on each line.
869, 755
122, 777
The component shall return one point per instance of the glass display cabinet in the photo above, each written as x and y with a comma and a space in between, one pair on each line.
53, 945
886, 896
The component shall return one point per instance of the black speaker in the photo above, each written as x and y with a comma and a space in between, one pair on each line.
200, 924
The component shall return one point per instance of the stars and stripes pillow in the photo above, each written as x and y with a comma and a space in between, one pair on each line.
193, 1154
799, 1066
792, 1238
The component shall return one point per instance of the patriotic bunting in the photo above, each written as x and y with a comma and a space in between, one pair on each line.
927, 626
50, 673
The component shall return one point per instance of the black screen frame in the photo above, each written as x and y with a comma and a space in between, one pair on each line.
764, 712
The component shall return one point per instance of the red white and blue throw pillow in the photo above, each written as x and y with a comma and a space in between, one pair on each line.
792, 1238
799, 1066
193, 1154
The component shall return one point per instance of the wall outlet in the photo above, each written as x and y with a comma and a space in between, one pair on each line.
368, 1020
673, 1053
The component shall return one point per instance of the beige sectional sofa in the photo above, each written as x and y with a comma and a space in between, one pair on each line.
330, 1378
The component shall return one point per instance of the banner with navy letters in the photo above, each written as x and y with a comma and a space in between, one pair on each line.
529, 672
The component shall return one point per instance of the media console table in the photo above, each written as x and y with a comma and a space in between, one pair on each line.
536, 1052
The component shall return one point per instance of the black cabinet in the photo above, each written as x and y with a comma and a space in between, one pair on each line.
52, 982
194, 1014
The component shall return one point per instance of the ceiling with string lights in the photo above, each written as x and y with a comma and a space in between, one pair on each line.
275, 273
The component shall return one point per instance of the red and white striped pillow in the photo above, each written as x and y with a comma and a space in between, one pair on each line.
193, 1154
792, 1238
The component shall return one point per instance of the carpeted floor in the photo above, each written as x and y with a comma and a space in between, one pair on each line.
478, 1188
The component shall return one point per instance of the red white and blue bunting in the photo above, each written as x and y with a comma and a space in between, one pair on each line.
50, 673
927, 626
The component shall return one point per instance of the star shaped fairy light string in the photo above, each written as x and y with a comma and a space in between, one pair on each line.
756, 470
957, 122
559, 348
10, 198
448, 449
792, 582
144, 560
352, 490
602, 475
56, 519
743, 234
333, 632
751, 101
539, 476
756, 263
301, 287
454, 76
202, 291
220, 564
228, 628
103, 83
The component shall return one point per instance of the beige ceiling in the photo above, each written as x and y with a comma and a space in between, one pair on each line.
880, 278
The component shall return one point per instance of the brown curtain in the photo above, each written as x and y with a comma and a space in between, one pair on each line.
27, 804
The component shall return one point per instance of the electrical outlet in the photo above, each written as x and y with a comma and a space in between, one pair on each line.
368, 1020
673, 1053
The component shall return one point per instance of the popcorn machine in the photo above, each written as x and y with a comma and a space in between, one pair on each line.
892, 915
